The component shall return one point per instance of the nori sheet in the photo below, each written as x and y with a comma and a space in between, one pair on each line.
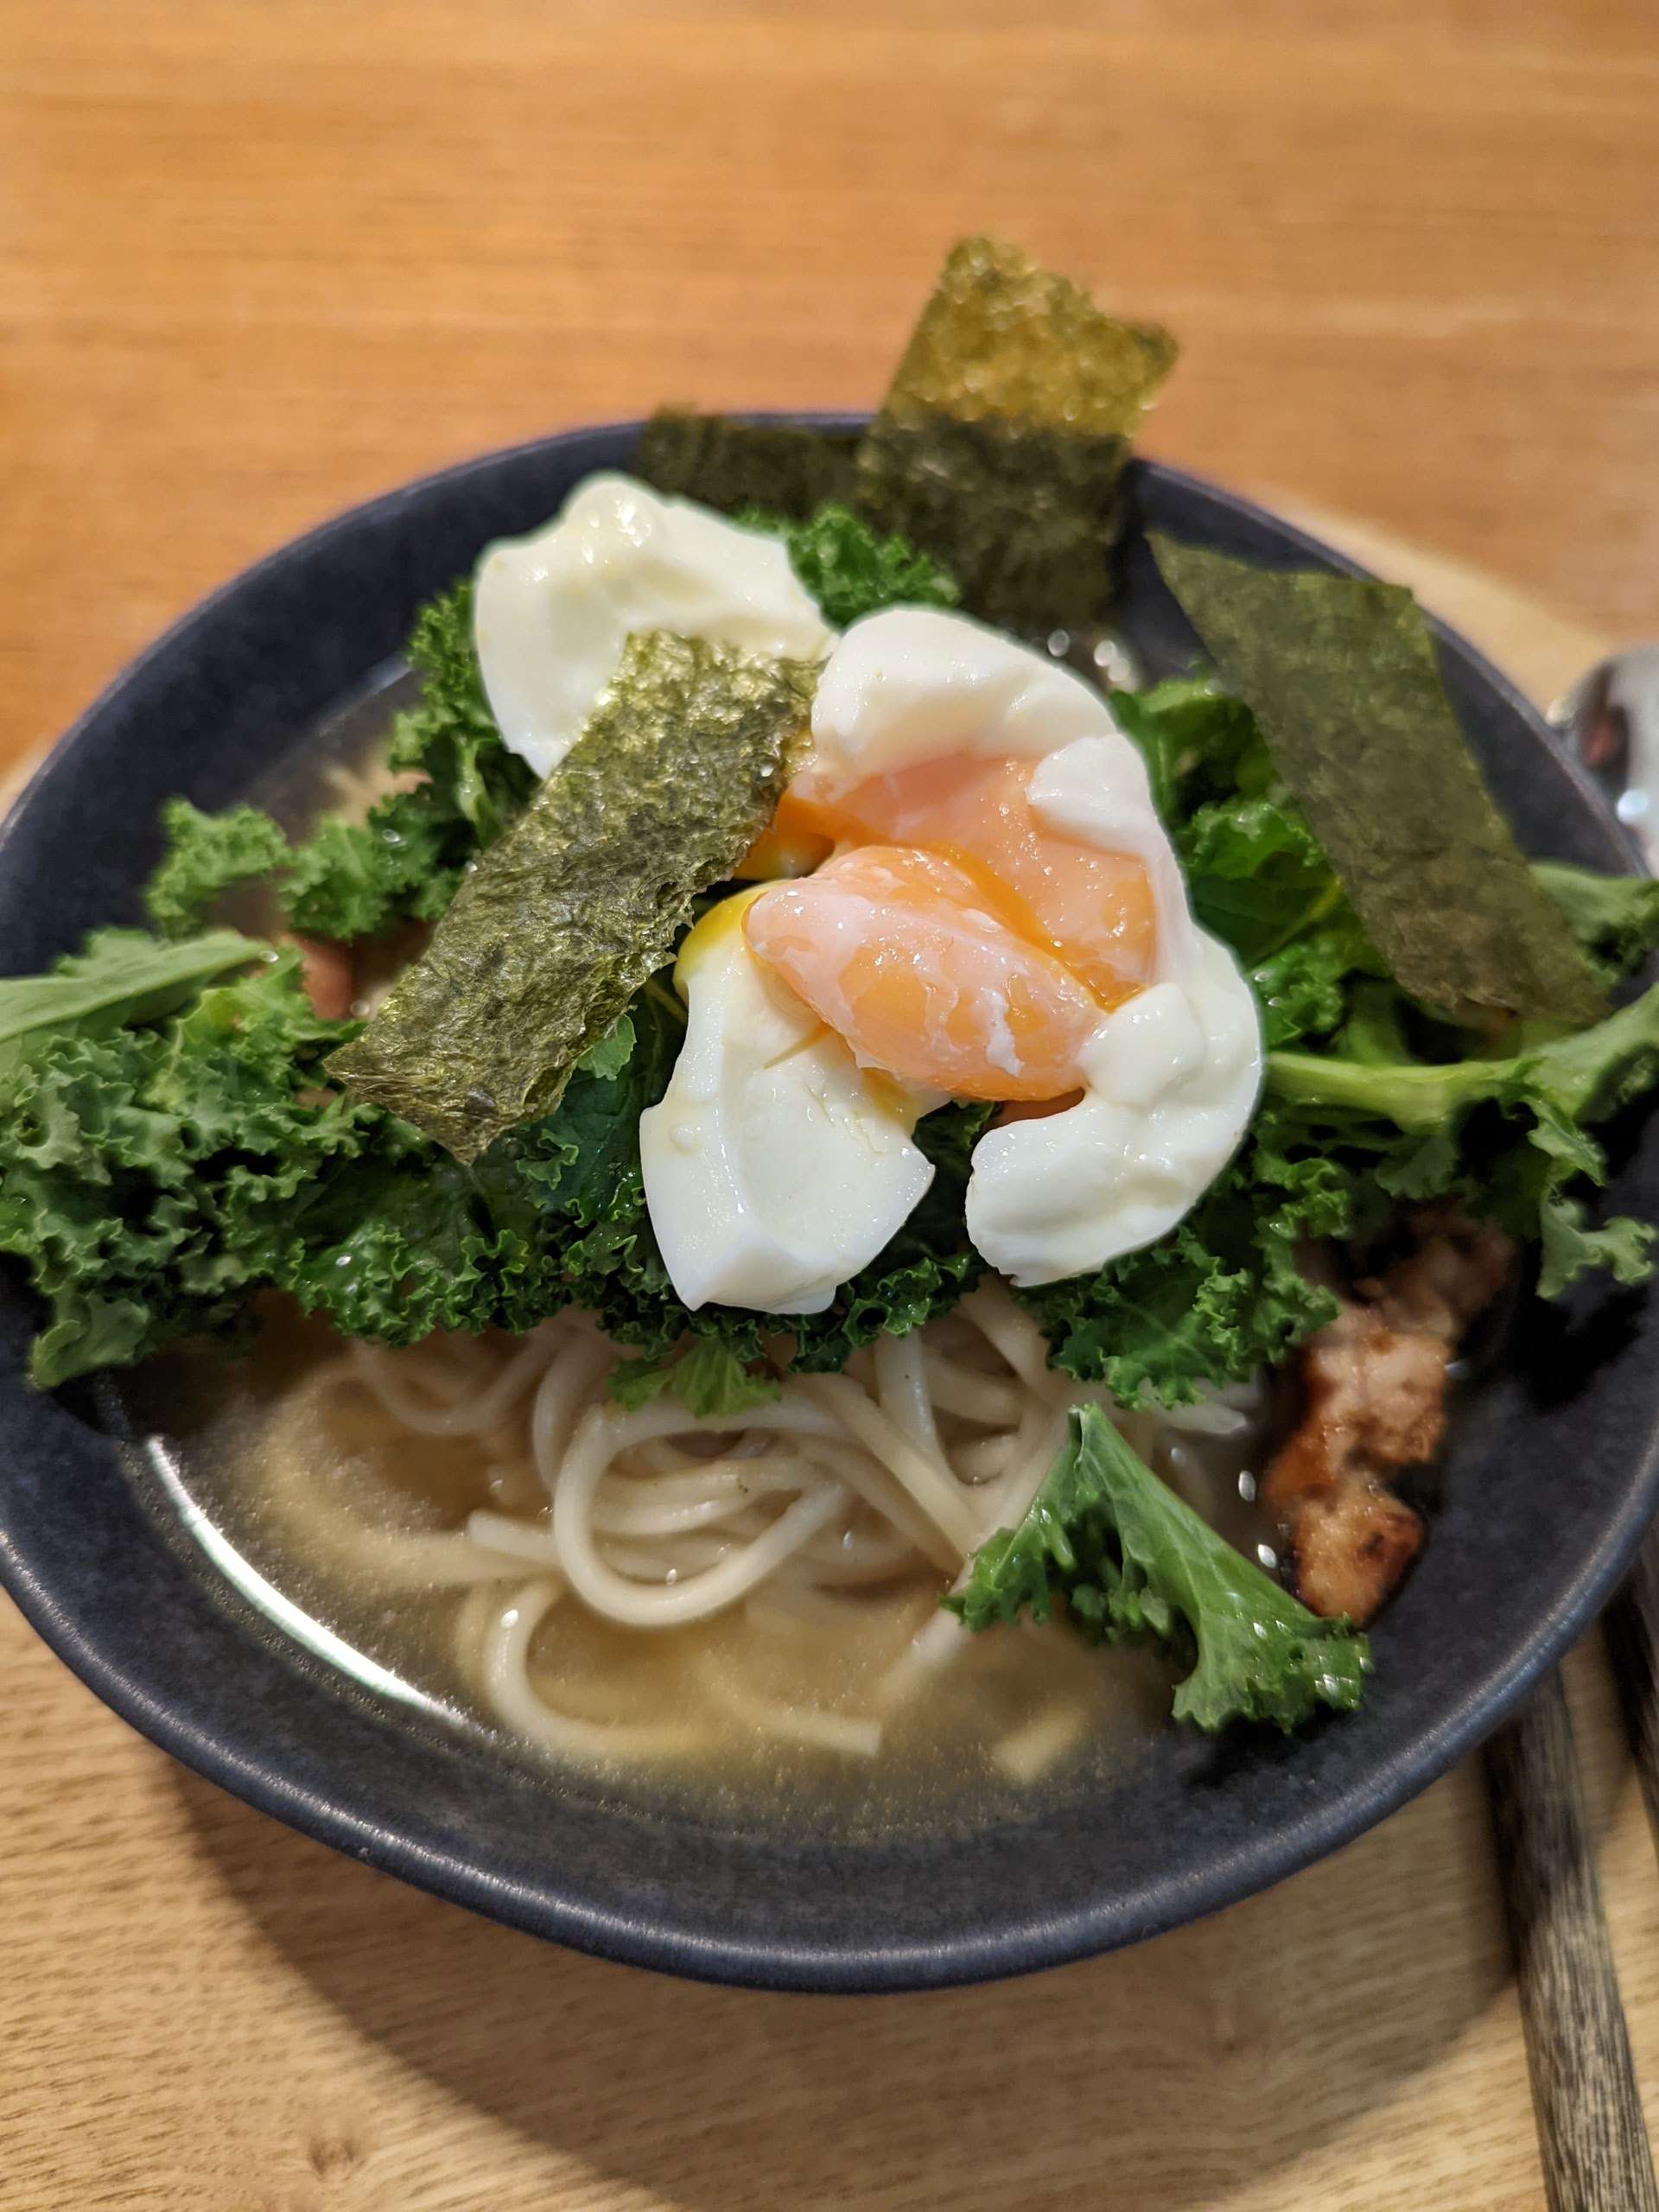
785, 467
1000, 444
680, 766
998, 450
1342, 676
1003, 340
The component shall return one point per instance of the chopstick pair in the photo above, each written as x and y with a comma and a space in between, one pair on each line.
1593, 2134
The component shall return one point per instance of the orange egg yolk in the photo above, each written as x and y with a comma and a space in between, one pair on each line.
897, 951
954, 939
1093, 909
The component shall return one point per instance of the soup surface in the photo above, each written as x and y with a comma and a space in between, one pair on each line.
391, 1510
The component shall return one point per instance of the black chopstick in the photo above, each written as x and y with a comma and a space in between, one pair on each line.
1591, 2133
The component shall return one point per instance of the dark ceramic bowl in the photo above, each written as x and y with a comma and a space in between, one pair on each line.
1550, 1483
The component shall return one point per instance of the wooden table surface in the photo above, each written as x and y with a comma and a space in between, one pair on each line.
259, 260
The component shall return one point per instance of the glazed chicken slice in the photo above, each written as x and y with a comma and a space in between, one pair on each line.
1374, 1404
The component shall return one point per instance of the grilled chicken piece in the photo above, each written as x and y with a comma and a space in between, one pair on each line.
1374, 1385
326, 970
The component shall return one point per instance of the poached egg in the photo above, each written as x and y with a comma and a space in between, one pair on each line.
552, 612
1005, 919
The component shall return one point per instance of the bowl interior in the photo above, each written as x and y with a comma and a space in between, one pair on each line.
1550, 1482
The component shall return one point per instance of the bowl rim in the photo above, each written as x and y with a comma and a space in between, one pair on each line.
237, 1763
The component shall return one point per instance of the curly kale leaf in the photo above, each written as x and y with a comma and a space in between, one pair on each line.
147, 1170
851, 569
1199, 746
351, 880
156, 1176
1135, 1565
451, 737
1507, 1136
405, 860
1614, 917
1217, 1297
1255, 874
923, 1270
582, 1165
708, 1378
206, 855
118, 977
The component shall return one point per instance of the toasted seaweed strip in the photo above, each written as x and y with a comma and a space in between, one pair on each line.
1343, 677
682, 764
1024, 519
1000, 444
785, 467
1003, 340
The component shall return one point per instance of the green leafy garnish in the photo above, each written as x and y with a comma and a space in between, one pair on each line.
146, 1168
708, 1378
118, 975
206, 855
582, 1165
1342, 677
156, 1176
1255, 874
1507, 1136
1199, 746
850, 569
999, 446
927, 1267
354, 880
1135, 1565
1614, 917
451, 737
403, 861
680, 766
1220, 1296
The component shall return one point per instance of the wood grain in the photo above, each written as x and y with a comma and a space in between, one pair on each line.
260, 261
1632, 1631
1591, 2133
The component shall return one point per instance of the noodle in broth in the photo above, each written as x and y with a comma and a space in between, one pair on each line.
640, 1590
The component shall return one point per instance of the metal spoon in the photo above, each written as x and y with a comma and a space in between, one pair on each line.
1609, 721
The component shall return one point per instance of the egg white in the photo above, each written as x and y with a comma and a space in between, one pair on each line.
552, 612
775, 1168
